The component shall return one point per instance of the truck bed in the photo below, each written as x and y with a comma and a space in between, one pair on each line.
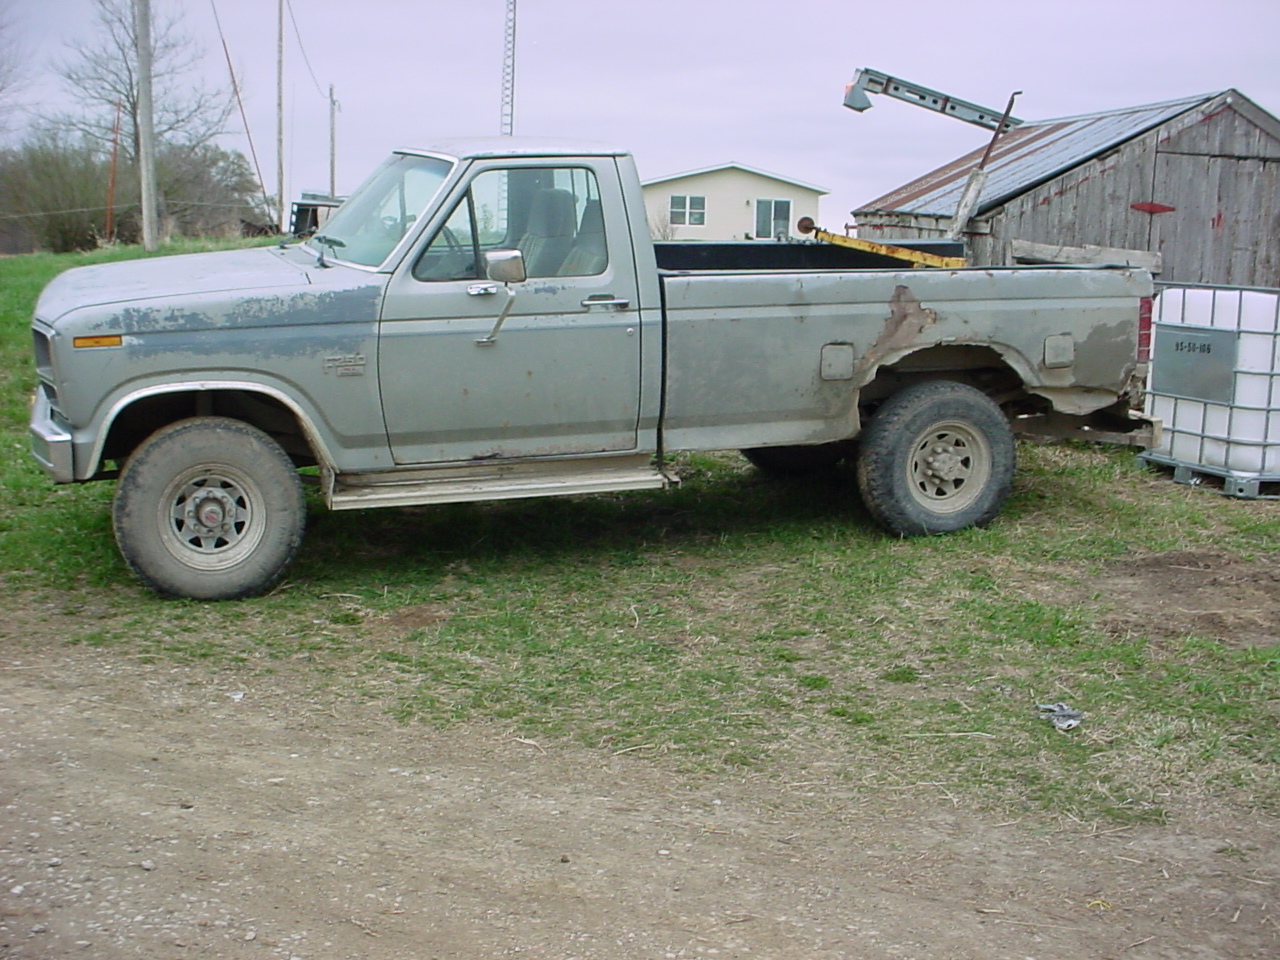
763, 255
773, 356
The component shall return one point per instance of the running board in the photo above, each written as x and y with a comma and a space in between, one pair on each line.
497, 481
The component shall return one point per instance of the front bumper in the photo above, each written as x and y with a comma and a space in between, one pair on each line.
51, 442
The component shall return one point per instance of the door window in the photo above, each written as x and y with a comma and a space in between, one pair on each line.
551, 214
451, 255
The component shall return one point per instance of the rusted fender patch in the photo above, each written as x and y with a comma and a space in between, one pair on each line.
904, 327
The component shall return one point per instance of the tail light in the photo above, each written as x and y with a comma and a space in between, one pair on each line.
1144, 330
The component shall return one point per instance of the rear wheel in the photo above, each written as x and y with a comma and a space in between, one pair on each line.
209, 508
937, 457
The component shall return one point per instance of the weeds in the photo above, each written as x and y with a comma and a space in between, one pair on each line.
734, 623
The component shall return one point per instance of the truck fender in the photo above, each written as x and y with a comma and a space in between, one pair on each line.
310, 433
1012, 357
911, 327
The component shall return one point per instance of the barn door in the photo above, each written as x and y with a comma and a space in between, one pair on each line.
1225, 225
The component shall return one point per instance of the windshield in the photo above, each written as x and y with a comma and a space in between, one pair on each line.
368, 226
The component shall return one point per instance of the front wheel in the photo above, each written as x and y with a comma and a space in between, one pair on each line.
937, 457
209, 508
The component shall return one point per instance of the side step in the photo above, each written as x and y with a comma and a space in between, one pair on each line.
497, 481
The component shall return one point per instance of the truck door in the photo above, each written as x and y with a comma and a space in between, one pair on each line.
562, 375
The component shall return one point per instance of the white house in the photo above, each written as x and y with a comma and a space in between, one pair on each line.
728, 202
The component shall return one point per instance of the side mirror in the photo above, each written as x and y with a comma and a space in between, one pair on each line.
505, 266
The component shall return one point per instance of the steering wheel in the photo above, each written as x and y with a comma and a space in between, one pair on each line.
455, 262
455, 245
397, 226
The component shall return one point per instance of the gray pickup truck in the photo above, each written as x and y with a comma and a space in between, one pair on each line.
485, 320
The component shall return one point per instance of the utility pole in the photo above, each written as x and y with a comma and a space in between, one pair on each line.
146, 124
282, 217
333, 144
509, 73
110, 226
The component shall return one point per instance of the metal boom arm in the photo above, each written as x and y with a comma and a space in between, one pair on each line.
867, 81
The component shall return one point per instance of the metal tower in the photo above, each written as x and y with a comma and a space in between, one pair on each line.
509, 73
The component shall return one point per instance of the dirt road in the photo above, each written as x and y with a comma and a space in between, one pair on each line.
157, 812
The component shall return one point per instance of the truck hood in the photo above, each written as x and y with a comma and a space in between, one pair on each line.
136, 281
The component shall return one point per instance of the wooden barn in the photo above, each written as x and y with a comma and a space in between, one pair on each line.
1189, 188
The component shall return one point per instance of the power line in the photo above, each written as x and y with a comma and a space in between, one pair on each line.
58, 213
305, 59
235, 87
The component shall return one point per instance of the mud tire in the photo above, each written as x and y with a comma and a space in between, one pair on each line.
937, 457
209, 508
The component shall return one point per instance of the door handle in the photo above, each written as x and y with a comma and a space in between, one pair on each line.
482, 289
606, 300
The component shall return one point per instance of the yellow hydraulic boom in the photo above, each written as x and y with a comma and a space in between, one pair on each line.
916, 257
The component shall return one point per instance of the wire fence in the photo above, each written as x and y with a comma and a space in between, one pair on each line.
125, 206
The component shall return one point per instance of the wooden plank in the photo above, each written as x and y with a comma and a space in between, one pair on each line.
1184, 236
1028, 251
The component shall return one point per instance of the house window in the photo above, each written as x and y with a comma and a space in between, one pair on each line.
773, 219
688, 210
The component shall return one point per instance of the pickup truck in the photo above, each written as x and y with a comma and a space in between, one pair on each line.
490, 319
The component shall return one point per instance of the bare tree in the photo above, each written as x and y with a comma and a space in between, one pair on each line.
103, 78
660, 226
209, 191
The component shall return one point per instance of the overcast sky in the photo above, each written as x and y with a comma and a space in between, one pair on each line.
686, 84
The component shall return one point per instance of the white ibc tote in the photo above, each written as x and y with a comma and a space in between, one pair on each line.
1215, 383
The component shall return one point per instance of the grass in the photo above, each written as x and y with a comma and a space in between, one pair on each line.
734, 624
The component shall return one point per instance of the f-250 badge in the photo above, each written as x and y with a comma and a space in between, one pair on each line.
352, 366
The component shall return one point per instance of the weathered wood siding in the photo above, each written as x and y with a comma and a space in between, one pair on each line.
1217, 167
1087, 205
893, 226
1226, 228
1221, 174
1224, 132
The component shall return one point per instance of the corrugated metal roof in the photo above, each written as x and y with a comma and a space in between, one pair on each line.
1029, 155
